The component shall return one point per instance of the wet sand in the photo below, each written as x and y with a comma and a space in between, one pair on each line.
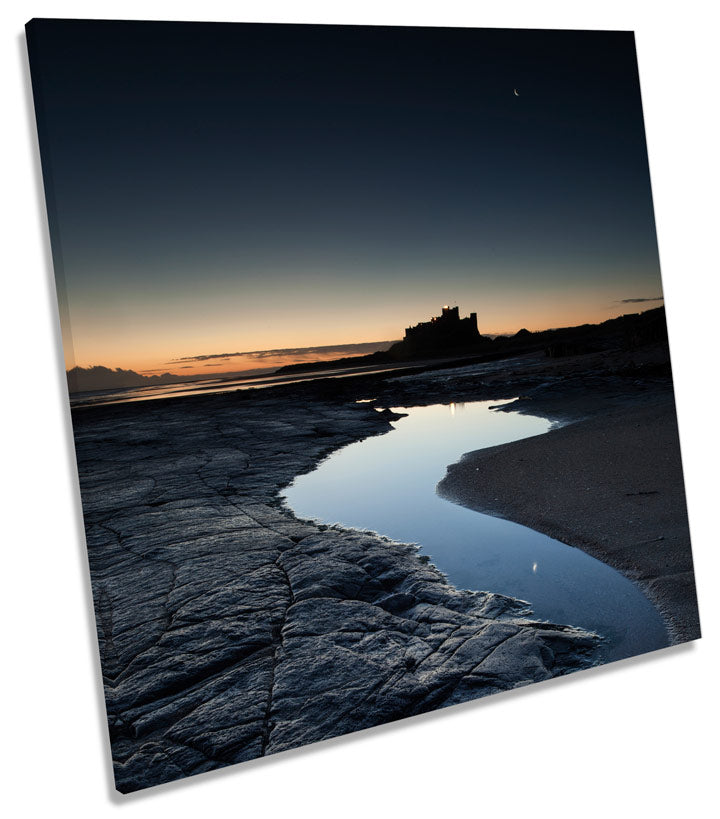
610, 484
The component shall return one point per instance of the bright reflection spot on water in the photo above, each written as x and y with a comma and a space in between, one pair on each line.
387, 484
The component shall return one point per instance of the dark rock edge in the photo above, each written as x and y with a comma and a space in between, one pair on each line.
230, 630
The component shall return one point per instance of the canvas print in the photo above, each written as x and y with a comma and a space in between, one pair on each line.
368, 365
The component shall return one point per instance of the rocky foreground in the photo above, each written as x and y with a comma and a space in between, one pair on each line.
230, 630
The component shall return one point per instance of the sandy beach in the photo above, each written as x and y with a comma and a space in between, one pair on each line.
611, 485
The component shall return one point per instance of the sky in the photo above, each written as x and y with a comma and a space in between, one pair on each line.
219, 188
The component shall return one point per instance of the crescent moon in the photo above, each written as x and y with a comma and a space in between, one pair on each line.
515, 92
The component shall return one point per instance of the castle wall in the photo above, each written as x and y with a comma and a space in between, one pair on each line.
443, 332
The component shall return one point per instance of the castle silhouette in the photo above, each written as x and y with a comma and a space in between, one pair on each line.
444, 332
449, 335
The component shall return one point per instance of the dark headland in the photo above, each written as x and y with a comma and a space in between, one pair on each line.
449, 335
229, 629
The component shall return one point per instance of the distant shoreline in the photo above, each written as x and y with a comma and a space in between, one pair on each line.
86, 383
272, 380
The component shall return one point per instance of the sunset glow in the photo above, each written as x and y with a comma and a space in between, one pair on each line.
334, 200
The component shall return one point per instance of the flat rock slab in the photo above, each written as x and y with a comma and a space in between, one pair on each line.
229, 630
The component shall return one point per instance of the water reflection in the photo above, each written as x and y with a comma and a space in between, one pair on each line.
387, 484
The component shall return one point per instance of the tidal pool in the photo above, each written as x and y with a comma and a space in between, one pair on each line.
386, 484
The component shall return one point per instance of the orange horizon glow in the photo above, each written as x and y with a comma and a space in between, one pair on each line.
155, 349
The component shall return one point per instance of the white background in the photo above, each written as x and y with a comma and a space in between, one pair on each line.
637, 738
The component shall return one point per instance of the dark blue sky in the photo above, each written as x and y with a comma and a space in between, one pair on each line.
228, 186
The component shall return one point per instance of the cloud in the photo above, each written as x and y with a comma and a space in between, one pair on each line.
334, 349
89, 379
637, 301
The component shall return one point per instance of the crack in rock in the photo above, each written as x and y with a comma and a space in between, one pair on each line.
228, 629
